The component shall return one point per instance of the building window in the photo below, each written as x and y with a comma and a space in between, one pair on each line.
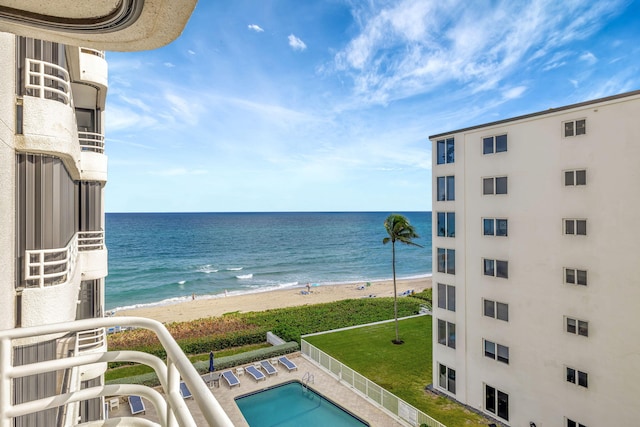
496, 310
575, 276
445, 151
494, 185
571, 423
496, 268
577, 377
575, 226
496, 351
447, 378
575, 127
494, 226
446, 188
446, 261
575, 177
447, 297
494, 144
578, 327
446, 224
496, 402
447, 333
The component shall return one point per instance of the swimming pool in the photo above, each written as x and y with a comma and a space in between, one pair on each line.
291, 404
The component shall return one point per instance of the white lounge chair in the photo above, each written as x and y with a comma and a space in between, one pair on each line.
268, 367
231, 378
255, 373
184, 391
287, 363
136, 404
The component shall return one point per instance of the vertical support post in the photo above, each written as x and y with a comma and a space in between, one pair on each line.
5, 381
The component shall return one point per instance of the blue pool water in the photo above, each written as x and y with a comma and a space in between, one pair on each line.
290, 404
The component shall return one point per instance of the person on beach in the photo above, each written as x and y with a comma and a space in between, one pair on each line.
308, 287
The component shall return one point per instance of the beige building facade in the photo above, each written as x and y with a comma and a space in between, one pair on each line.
536, 265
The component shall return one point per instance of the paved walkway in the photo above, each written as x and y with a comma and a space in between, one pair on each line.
324, 383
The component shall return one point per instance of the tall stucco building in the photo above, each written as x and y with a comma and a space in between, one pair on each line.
536, 284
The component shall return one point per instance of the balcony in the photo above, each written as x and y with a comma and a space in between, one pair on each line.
93, 162
168, 402
50, 267
92, 254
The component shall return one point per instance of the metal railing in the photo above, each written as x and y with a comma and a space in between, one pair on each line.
368, 388
90, 240
91, 141
170, 406
49, 267
47, 81
90, 340
89, 51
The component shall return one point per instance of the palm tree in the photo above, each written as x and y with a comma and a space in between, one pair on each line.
399, 230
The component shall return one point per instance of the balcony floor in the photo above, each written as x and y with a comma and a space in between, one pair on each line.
323, 383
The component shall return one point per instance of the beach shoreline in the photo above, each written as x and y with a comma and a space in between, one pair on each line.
198, 308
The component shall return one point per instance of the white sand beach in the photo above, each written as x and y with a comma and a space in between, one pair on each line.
207, 307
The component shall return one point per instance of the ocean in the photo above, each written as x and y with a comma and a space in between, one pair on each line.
165, 258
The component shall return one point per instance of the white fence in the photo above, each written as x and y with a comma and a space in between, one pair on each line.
368, 388
47, 81
49, 267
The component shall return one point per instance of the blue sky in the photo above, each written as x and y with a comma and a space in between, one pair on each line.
327, 105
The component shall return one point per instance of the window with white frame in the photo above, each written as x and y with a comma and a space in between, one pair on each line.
446, 261
577, 327
575, 276
447, 297
447, 378
494, 185
576, 227
577, 377
446, 222
446, 188
571, 423
494, 144
495, 226
575, 177
496, 351
496, 310
496, 268
575, 127
447, 333
445, 151
496, 402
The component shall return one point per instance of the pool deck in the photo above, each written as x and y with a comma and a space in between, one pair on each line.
323, 382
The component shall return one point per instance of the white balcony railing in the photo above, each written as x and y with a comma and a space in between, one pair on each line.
47, 81
49, 267
171, 408
90, 240
90, 340
89, 51
91, 141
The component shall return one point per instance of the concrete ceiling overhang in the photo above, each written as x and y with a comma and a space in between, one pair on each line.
116, 25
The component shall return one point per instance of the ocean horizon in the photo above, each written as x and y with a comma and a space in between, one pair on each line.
166, 258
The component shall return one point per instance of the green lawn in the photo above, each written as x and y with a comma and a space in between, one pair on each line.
403, 370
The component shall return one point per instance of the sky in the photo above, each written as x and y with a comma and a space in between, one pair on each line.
289, 105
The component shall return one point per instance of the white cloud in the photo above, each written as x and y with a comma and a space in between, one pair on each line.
515, 92
296, 43
589, 58
169, 65
190, 52
178, 172
255, 28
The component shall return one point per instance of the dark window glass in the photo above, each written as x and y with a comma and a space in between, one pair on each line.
502, 269
442, 228
440, 153
582, 277
581, 127
502, 311
582, 379
442, 296
501, 185
487, 186
570, 275
489, 267
501, 227
501, 143
451, 188
489, 308
571, 375
568, 129
451, 383
581, 227
581, 177
568, 178
443, 376
488, 226
571, 325
490, 399
450, 151
571, 423
442, 332
451, 224
442, 260
487, 145
569, 226
451, 341
583, 328
503, 405
503, 354
451, 298
451, 261
442, 188
489, 349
